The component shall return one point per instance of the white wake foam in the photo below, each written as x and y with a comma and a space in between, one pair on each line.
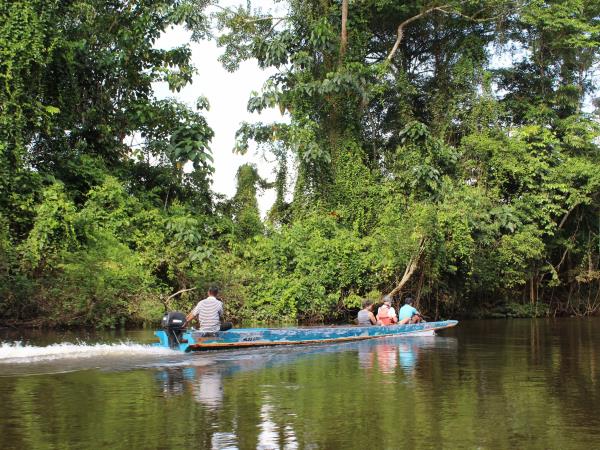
16, 352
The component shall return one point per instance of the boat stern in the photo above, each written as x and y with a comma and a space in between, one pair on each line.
173, 335
168, 339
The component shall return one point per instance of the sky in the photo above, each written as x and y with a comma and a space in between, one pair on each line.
228, 95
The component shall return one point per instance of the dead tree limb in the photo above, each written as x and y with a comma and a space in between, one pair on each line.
412, 265
402, 26
166, 300
180, 292
444, 9
566, 216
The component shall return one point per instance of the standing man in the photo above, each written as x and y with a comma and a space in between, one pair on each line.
409, 314
209, 313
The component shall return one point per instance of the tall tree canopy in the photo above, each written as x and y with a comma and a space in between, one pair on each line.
399, 107
447, 149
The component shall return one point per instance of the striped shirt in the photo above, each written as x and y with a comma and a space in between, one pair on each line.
209, 312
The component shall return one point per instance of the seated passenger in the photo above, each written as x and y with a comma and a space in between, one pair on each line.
386, 314
209, 313
365, 315
408, 314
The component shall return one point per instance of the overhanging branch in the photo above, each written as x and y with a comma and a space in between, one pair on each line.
412, 265
444, 9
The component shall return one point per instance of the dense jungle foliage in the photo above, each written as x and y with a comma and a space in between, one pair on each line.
444, 149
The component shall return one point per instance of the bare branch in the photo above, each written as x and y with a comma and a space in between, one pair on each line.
179, 292
566, 216
443, 9
403, 25
472, 18
249, 19
412, 265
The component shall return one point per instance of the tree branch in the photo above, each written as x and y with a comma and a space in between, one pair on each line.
412, 265
166, 300
443, 9
566, 216
249, 19
179, 292
401, 27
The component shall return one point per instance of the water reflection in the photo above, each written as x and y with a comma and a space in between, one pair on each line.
387, 358
213, 380
204, 372
208, 390
205, 386
366, 356
404, 353
537, 381
171, 382
408, 356
272, 435
224, 441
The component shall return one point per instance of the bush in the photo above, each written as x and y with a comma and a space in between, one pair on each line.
307, 270
104, 284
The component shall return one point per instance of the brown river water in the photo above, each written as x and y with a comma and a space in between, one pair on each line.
494, 384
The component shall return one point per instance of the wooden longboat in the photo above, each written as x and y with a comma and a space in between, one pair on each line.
194, 340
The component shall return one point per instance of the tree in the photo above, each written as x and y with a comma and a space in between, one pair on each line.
78, 79
246, 216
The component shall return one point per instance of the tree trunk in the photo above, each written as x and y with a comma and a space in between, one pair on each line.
344, 33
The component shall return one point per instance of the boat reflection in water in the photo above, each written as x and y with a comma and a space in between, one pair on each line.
206, 386
385, 355
204, 373
223, 383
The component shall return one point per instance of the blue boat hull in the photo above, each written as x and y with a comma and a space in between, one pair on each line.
193, 340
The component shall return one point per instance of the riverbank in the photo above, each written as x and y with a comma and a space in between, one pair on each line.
501, 311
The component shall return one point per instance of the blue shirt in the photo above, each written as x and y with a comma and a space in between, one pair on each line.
406, 312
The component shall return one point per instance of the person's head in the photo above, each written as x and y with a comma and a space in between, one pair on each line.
367, 304
408, 301
387, 300
213, 291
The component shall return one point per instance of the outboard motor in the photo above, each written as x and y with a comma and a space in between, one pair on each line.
172, 322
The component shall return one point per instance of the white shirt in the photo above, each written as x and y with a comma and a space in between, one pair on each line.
391, 311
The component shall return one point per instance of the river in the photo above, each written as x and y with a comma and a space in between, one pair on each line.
484, 384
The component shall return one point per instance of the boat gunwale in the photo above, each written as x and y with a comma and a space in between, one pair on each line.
337, 327
230, 345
